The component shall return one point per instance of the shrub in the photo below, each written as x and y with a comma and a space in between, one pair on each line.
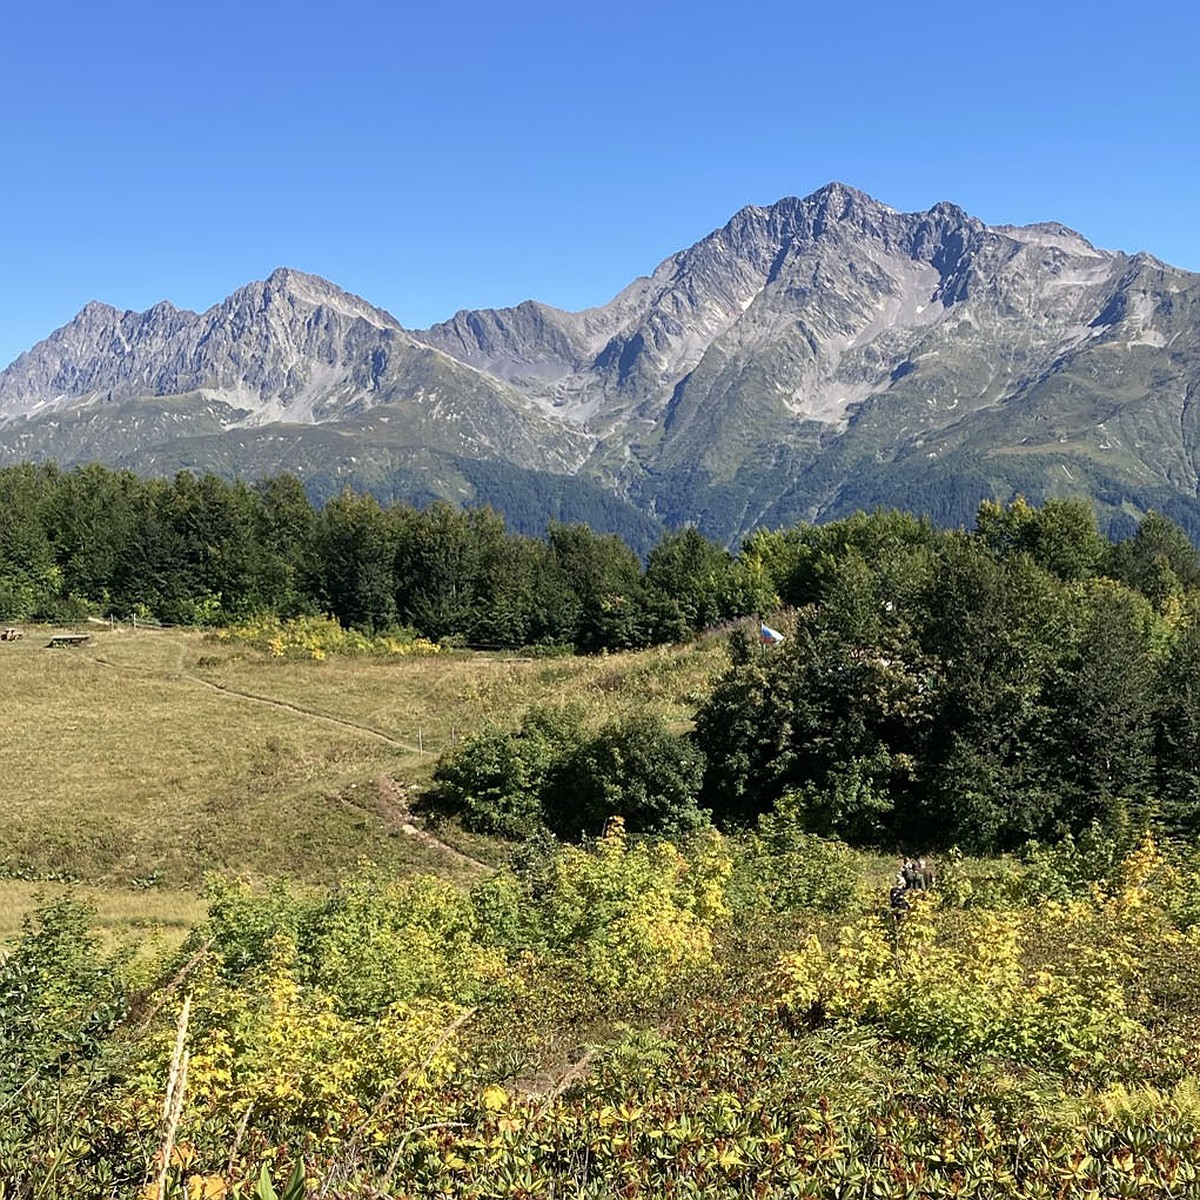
629, 919
1067, 985
61, 1001
316, 638
378, 942
494, 780
284, 1050
784, 868
369, 943
972, 996
635, 769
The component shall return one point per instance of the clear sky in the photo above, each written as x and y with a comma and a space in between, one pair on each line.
441, 156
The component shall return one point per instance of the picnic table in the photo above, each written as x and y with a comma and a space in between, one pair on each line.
68, 639
9, 635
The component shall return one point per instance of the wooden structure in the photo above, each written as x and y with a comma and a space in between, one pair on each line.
9, 635
68, 639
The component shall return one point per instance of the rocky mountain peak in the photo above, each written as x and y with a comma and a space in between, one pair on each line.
769, 371
948, 211
96, 310
840, 202
288, 288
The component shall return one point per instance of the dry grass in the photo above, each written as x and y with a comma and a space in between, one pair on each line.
119, 762
427, 702
152, 912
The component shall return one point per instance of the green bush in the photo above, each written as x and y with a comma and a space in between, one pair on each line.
62, 1001
378, 942
60, 996
627, 920
494, 780
635, 769
784, 868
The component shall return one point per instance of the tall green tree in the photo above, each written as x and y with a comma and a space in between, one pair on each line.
438, 561
1177, 730
1159, 561
993, 628
286, 522
30, 579
605, 575
686, 580
1061, 536
1102, 731
356, 546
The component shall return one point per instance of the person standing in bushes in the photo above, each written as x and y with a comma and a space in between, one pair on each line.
925, 872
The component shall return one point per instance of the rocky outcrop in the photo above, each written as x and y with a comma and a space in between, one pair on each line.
807, 357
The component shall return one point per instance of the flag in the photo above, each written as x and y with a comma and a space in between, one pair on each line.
769, 636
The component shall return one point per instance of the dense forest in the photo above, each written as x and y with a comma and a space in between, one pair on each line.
206, 551
1027, 680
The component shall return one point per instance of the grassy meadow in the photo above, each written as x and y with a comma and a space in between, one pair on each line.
717, 1016
146, 759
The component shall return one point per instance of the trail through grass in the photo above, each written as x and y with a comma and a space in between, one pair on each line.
163, 755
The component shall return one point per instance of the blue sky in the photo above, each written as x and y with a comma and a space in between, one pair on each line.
464, 155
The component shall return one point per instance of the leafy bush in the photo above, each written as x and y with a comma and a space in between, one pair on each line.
635, 769
849, 803
1045, 1052
378, 942
60, 996
784, 868
316, 638
1072, 866
970, 998
1063, 984
62, 1000
549, 772
243, 922
629, 919
495, 779
369, 943
282, 1049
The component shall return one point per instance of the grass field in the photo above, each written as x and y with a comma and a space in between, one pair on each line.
146, 759
118, 911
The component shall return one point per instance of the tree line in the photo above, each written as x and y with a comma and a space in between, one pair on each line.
1019, 680
203, 550
1024, 680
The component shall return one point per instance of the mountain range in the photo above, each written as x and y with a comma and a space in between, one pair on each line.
809, 358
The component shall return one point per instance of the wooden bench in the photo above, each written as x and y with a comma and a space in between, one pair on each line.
68, 639
9, 635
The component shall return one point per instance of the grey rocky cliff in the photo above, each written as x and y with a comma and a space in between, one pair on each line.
806, 358
292, 348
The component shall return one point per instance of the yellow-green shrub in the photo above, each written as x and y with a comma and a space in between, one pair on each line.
318, 637
378, 942
282, 1050
1055, 984
629, 918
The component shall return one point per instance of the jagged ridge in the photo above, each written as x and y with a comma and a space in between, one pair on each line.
808, 356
